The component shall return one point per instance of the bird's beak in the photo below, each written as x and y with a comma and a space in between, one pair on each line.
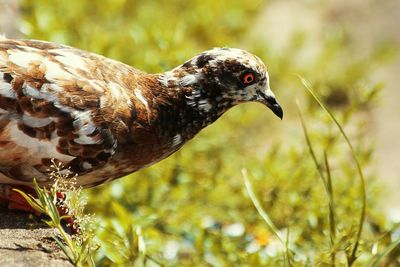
268, 98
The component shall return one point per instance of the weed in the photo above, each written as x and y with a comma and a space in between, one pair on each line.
79, 247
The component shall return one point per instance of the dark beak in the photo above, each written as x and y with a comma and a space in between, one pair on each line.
271, 102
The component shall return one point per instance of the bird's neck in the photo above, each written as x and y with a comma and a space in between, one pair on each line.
194, 107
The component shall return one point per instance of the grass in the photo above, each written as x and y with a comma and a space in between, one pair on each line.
326, 178
79, 247
80, 250
186, 205
380, 258
266, 218
327, 182
352, 257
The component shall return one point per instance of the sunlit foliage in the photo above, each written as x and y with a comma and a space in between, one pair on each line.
193, 209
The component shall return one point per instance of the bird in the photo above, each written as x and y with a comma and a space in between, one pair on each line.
103, 119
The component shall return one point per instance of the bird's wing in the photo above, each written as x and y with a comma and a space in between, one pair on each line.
61, 103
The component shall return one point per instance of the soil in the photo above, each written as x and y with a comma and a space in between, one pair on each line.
25, 241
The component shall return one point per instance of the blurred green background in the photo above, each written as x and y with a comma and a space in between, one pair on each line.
192, 209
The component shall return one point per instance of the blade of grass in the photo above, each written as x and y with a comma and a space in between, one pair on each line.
388, 249
332, 220
31, 200
264, 215
258, 206
287, 248
310, 147
352, 257
327, 182
66, 251
45, 204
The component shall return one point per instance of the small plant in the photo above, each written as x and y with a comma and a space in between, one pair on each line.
184, 204
62, 202
352, 250
267, 219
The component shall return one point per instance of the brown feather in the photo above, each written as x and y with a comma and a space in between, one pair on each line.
101, 118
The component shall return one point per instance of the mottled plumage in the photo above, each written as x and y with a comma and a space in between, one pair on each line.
104, 119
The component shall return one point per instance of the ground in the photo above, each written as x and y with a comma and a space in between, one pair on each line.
20, 233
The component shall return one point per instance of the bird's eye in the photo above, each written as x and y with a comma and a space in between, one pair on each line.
248, 78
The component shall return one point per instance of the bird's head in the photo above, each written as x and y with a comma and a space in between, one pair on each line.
222, 78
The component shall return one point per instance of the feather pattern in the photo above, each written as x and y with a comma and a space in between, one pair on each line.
97, 116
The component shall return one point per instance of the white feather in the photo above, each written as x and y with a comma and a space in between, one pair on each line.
188, 79
224, 54
176, 140
69, 59
83, 121
6, 89
86, 140
168, 77
86, 165
42, 93
87, 129
116, 90
141, 98
119, 93
204, 105
54, 71
36, 147
23, 59
84, 125
35, 122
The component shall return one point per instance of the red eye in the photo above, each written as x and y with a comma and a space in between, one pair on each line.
248, 78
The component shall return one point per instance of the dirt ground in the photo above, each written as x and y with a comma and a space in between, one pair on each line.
27, 242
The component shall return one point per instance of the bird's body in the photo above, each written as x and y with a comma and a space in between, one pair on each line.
103, 119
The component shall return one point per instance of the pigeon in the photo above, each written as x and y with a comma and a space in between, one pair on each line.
102, 119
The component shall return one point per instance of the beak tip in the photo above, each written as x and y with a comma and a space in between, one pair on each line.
277, 110
272, 104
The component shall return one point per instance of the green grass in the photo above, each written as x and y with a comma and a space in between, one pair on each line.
182, 210
266, 218
79, 247
327, 180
